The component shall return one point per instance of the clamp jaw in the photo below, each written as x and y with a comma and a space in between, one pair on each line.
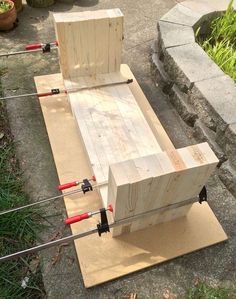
202, 195
103, 226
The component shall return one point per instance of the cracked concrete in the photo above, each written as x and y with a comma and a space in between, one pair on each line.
216, 265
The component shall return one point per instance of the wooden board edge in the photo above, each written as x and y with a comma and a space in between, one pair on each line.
149, 114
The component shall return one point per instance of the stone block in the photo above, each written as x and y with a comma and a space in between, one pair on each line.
182, 15
202, 7
188, 64
180, 100
230, 144
154, 46
160, 76
202, 133
219, 95
227, 174
203, 23
174, 34
221, 5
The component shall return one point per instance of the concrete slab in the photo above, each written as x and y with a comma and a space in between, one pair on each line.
172, 35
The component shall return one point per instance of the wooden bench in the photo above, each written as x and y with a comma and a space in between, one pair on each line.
126, 148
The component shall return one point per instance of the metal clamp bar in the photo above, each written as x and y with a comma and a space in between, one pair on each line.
66, 91
48, 199
93, 231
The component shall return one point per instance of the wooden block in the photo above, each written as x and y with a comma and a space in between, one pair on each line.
90, 42
147, 183
105, 258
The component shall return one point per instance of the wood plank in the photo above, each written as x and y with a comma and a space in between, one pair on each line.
150, 116
115, 257
136, 187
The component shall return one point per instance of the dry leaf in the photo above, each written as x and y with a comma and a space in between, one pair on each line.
33, 265
168, 295
55, 236
57, 257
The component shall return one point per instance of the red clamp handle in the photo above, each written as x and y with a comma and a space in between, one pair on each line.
77, 218
33, 47
39, 46
110, 208
73, 184
44, 94
67, 185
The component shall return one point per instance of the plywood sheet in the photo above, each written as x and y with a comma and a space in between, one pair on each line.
115, 257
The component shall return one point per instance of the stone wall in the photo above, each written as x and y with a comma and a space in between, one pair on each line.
203, 95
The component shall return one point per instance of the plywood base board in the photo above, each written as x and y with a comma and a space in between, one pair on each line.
106, 258
115, 257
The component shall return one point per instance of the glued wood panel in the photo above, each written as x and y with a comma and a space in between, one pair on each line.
110, 122
90, 42
115, 257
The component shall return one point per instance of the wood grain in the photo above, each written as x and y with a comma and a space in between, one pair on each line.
90, 42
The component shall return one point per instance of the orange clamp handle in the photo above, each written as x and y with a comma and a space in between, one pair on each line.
77, 218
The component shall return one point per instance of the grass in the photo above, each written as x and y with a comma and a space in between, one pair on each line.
17, 230
221, 45
204, 291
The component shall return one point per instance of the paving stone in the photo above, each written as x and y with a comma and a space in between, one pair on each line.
219, 95
188, 64
182, 15
174, 34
